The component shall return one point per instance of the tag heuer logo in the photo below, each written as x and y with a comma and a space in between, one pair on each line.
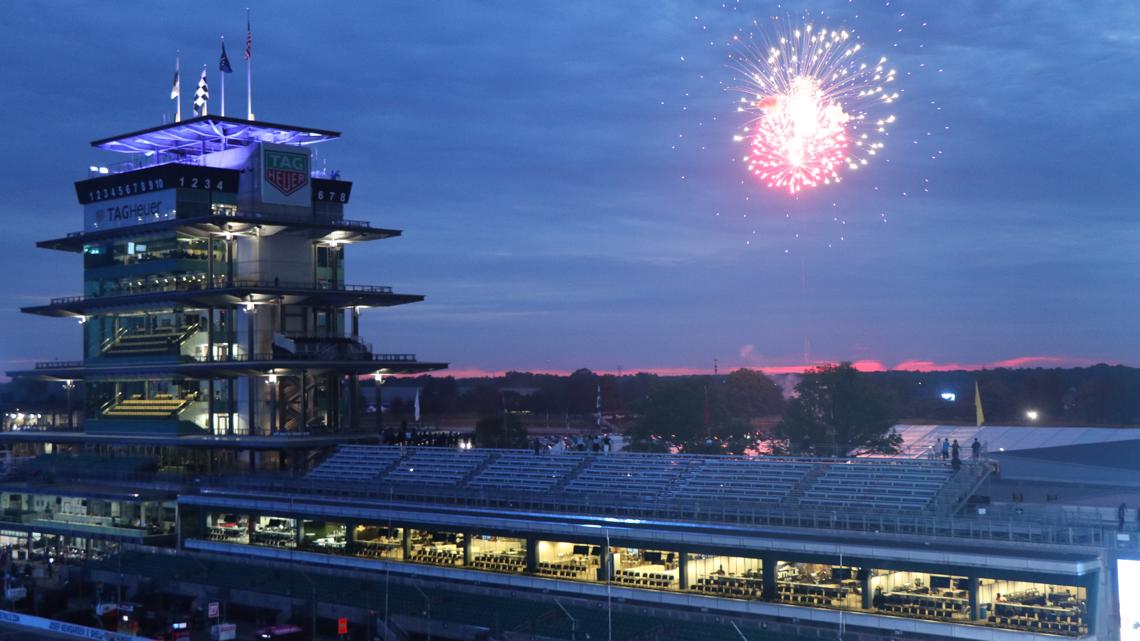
286, 171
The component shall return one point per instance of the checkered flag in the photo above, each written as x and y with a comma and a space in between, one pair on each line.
202, 96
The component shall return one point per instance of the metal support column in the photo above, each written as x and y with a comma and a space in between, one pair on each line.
531, 555
210, 404
768, 570
275, 419
304, 404
406, 544
972, 591
865, 587
466, 549
683, 570
209, 333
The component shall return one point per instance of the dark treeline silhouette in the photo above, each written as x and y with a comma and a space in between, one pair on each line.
1097, 395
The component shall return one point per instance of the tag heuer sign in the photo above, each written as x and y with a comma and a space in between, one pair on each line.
286, 170
285, 175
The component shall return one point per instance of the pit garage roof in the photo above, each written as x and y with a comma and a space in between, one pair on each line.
1008, 438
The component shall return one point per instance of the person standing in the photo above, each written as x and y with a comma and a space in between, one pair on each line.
975, 448
956, 456
934, 451
945, 449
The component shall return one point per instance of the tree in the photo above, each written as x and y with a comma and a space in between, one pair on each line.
503, 430
836, 412
749, 394
690, 414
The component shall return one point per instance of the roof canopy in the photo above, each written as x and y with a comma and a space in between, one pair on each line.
208, 134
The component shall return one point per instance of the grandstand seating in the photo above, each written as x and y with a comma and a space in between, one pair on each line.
644, 475
524, 471
146, 408
142, 343
437, 466
740, 479
875, 484
355, 463
891, 484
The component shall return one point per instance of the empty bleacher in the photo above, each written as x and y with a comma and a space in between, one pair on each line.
740, 479
525, 471
437, 466
642, 475
877, 483
865, 484
355, 463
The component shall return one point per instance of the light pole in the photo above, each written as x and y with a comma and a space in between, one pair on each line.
427, 602
379, 378
573, 621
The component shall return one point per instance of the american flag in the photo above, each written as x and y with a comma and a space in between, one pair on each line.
202, 95
248, 39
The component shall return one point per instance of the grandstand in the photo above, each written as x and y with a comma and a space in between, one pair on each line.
443, 467
878, 483
356, 463
520, 471
890, 484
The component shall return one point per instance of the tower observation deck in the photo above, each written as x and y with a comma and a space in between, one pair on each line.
214, 307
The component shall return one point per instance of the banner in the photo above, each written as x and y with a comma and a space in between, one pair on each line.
135, 210
285, 178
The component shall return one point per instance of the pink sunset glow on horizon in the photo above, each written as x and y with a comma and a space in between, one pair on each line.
863, 365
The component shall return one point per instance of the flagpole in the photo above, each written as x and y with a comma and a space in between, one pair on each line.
178, 73
248, 68
223, 73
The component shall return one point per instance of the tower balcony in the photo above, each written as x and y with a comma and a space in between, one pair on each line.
320, 228
198, 291
235, 365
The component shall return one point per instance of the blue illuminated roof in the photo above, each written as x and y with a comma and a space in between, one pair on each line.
208, 134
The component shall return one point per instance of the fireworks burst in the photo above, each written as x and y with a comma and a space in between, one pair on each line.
814, 107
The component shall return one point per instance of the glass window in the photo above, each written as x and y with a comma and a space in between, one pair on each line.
657, 569
378, 542
497, 553
437, 548
730, 576
563, 560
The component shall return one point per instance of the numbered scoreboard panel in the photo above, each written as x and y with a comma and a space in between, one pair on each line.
331, 191
171, 176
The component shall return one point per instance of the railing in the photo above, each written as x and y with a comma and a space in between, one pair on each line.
248, 358
142, 161
201, 285
58, 364
263, 217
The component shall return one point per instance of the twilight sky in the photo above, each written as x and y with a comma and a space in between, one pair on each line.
568, 188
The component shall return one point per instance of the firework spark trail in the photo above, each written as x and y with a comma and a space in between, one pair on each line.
811, 103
